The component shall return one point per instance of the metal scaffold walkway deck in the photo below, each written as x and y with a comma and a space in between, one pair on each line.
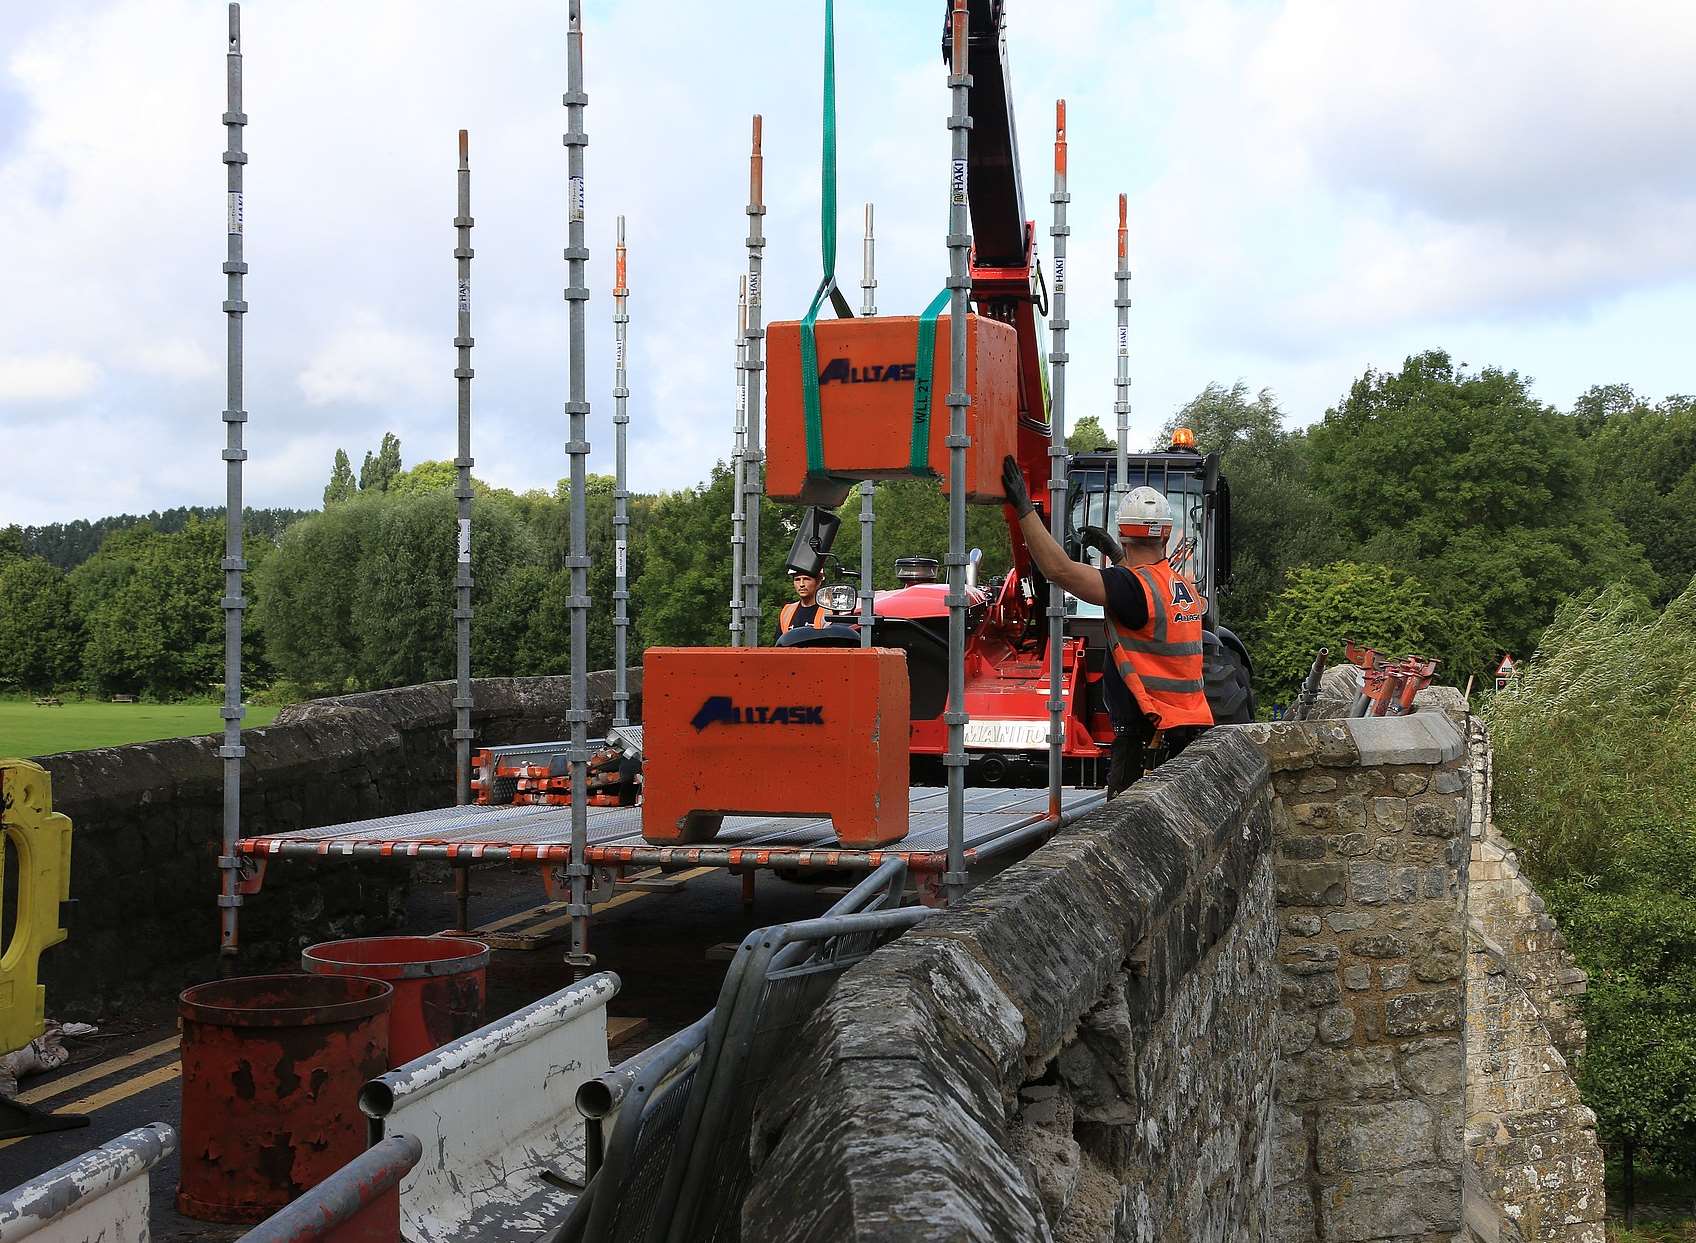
998, 820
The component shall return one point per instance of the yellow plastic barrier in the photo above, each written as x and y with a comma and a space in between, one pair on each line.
42, 839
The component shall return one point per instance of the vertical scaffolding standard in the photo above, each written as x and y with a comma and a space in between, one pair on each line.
868, 308
231, 752
959, 286
753, 455
1122, 381
738, 523
577, 448
1057, 461
462, 373
620, 484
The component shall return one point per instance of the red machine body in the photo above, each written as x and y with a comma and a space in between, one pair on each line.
1007, 675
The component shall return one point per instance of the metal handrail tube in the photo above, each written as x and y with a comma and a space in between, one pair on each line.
343, 1195
418, 1078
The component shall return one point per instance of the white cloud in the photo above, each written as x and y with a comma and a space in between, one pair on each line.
1315, 188
172, 359
53, 376
367, 362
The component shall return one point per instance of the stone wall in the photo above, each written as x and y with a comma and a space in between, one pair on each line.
1370, 835
1082, 1050
1226, 1006
147, 822
1534, 1168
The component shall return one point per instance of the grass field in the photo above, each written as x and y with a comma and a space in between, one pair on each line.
26, 729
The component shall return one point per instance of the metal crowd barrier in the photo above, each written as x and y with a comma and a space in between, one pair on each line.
503, 1152
678, 1115
99, 1197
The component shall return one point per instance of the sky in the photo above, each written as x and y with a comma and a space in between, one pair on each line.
1316, 188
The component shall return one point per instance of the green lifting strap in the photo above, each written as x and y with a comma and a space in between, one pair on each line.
827, 244
922, 386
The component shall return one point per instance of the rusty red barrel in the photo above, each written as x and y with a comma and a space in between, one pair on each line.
272, 1067
439, 983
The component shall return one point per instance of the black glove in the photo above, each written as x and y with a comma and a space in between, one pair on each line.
1102, 542
1013, 484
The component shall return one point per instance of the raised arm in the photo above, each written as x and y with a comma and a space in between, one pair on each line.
1081, 581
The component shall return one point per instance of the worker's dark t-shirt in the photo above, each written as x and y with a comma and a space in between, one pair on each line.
805, 615
1128, 605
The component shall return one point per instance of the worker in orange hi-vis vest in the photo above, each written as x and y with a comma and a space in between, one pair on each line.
1154, 619
804, 609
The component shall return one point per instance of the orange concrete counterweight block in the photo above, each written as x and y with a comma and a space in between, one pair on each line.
867, 372
774, 731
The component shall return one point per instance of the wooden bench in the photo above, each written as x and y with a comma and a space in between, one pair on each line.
48, 701
123, 699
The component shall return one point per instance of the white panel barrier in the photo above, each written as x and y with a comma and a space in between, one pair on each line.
503, 1142
99, 1197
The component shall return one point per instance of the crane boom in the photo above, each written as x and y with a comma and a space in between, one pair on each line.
1003, 241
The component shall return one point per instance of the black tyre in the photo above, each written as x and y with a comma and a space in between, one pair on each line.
1229, 692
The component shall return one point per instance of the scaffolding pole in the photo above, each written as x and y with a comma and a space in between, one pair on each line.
620, 485
235, 267
1122, 381
753, 456
1057, 461
868, 308
959, 285
462, 373
738, 523
577, 448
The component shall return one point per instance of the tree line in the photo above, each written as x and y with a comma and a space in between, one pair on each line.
1434, 508
68, 544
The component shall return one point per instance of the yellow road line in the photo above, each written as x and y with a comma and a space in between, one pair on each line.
508, 921
99, 1070
123, 1091
560, 921
634, 895
112, 1095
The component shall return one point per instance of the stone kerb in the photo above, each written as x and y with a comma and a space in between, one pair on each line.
1081, 1050
1370, 839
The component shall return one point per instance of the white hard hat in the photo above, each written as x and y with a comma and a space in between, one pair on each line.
1145, 514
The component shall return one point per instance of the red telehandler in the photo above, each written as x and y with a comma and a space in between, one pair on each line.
1007, 648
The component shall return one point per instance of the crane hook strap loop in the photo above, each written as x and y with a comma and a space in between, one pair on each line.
827, 247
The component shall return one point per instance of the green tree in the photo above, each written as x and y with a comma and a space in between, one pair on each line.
683, 597
361, 595
150, 608
40, 632
342, 484
1644, 459
12, 544
1594, 784
378, 470
1465, 480
433, 476
1087, 434
507, 639
1325, 606
911, 520
1278, 521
